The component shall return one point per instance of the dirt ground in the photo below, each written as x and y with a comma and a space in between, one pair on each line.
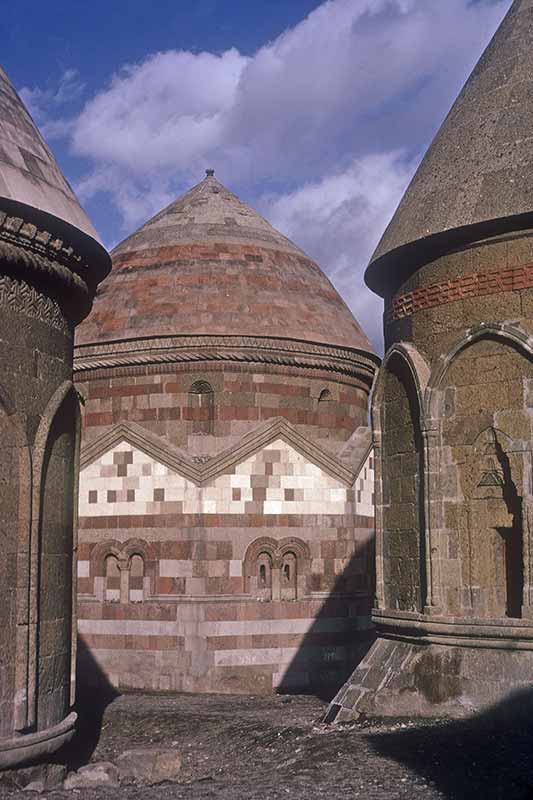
243, 748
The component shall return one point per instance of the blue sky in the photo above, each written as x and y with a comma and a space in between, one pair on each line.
315, 113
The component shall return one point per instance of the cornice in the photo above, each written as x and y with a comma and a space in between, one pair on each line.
38, 255
498, 633
201, 473
238, 349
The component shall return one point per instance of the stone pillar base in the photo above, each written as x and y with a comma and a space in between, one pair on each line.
32, 746
421, 667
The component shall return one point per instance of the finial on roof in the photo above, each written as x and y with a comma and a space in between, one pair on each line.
210, 173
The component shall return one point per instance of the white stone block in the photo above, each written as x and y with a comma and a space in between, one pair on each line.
83, 569
175, 568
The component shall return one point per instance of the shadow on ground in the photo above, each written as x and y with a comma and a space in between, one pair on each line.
93, 694
488, 756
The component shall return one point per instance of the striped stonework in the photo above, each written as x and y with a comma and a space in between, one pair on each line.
477, 284
241, 580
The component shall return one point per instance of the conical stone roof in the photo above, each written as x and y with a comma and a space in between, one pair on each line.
207, 213
210, 265
476, 179
29, 174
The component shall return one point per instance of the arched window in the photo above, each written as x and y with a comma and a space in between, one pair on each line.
264, 576
202, 407
136, 582
289, 576
112, 579
325, 396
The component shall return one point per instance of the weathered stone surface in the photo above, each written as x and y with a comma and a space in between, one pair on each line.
38, 183
479, 167
50, 264
99, 773
454, 525
149, 765
210, 252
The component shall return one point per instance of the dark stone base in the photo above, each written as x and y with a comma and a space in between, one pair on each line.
405, 679
30, 747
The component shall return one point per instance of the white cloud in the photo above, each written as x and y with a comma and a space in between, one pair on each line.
44, 104
338, 222
162, 114
328, 118
137, 199
326, 89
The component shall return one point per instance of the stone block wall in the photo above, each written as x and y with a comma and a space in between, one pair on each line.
259, 578
458, 371
161, 400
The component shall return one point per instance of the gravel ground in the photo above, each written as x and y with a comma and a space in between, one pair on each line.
243, 748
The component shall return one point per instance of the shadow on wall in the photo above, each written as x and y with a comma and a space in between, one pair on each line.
486, 756
341, 634
93, 694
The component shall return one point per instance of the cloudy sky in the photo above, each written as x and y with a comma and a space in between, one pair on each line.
315, 113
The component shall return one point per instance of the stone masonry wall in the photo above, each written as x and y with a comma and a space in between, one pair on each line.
403, 565
321, 407
203, 616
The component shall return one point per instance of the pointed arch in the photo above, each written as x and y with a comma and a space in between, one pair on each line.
511, 335
477, 402
264, 546
402, 548
125, 553
418, 368
52, 552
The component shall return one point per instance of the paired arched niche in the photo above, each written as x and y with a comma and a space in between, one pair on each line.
123, 572
277, 570
453, 463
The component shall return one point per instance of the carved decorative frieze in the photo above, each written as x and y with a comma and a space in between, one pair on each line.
476, 284
240, 349
22, 297
37, 256
21, 233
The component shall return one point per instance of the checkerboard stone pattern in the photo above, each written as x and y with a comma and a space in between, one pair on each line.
277, 480
197, 623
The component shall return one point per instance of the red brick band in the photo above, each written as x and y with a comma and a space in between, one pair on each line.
475, 284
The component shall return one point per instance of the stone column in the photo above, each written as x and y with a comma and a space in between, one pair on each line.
378, 511
124, 581
432, 513
48, 276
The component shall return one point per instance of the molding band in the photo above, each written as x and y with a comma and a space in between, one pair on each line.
475, 284
180, 461
414, 628
31, 746
39, 258
236, 349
